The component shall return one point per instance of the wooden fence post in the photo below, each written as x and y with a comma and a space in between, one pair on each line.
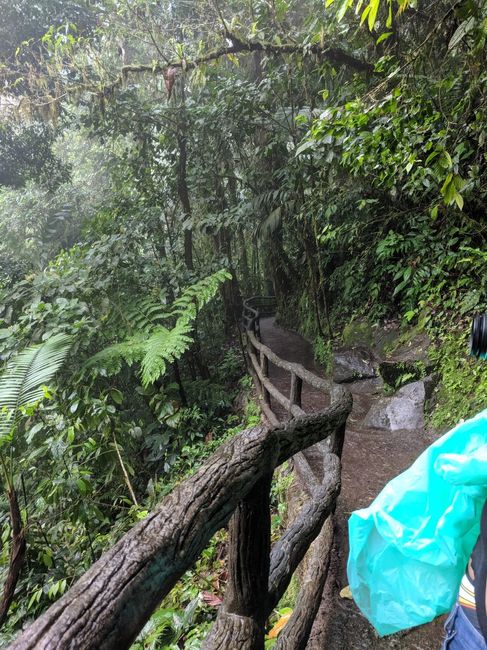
296, 388
243, 613
264, 366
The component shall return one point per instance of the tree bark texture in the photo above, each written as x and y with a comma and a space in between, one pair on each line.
17, 554
111, 602
244, 635
296, 633
184, 195
248, 571
248, 557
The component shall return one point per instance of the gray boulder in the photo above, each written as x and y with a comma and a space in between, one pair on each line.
353, 364
404, 410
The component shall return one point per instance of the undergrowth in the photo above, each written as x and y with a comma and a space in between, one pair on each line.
462, 391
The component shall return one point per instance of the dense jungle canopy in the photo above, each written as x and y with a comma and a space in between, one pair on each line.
162, 160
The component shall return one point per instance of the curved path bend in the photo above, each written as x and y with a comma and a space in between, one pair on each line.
371, 457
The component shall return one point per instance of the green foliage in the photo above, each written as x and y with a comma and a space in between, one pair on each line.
370, 11
155, 345
354, 197
23, 380
463, 389
281, 483
45, 216
168, 628
401, 373
323, 352
26, 154
357, 332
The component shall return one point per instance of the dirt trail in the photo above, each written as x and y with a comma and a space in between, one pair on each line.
371, 457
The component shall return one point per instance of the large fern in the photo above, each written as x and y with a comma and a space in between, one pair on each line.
163, 346
193, 298
155, 343
22, 380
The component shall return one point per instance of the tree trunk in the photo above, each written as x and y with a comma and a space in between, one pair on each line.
17, 554
244, 262
183, 188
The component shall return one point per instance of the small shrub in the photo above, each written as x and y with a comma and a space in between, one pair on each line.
323, 352
463, 389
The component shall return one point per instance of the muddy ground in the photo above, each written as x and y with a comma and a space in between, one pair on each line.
371, 457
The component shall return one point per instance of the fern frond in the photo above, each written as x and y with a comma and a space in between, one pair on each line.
131, 350
164, 346
155, 345
196, 296
22, 380
146, 314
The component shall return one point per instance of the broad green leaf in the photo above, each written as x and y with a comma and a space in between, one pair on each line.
462, 30
374, 8
343, 8
116, 396
305, 146
446, 184
431, 157
389, 16
365, 13
459, 200
459, 182
383, 37
81, 485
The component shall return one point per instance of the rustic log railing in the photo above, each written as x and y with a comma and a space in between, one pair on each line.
260, 356
111, 602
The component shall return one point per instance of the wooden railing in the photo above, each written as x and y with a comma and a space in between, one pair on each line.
255, 308
260, 356
111, 602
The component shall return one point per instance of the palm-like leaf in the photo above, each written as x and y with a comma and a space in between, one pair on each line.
22, 380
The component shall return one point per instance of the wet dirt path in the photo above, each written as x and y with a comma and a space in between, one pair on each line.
371, 457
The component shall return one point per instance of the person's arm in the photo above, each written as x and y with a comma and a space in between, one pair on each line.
479, 562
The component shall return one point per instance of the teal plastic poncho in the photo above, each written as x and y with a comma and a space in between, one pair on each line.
409, 549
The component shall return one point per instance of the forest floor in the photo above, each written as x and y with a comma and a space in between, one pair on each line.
371, 457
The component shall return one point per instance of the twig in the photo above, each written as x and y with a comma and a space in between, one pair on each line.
125, 474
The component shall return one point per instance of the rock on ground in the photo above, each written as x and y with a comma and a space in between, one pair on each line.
353, 364
404, 410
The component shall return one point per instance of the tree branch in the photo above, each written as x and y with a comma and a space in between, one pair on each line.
333, 54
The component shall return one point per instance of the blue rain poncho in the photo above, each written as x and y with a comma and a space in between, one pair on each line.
410, 547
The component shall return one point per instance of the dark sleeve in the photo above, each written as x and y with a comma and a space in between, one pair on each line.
479, 565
